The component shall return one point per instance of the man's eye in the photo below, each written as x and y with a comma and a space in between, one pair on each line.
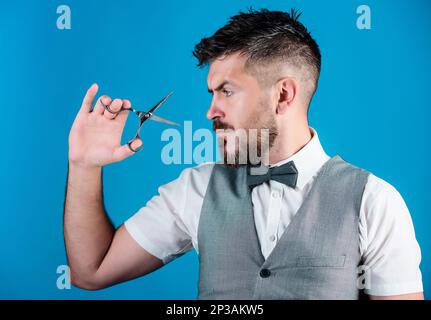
226, 92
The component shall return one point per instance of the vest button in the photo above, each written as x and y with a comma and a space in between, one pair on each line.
265, 273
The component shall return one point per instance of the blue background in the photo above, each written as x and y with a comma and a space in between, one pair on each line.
372, 107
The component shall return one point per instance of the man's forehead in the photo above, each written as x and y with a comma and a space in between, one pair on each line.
226, 68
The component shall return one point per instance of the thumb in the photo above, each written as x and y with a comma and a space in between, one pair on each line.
124, 151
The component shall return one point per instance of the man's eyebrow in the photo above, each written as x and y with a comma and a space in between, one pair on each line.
219, 87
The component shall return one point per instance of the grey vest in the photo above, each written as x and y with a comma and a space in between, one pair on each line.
316, 257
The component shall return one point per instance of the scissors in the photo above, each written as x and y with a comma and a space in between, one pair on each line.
143, 116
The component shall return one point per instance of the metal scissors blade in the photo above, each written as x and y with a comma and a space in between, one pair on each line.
149, 114
160, 119
159, 103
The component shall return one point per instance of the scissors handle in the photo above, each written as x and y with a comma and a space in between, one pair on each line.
143, 116
129, 144
107, 108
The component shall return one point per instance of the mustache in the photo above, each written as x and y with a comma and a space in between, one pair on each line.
217, 124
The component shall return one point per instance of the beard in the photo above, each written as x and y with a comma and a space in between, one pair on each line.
250, 143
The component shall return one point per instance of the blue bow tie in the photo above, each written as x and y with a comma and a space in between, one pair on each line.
286, 173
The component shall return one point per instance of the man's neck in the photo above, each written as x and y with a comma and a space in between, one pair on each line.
289, 142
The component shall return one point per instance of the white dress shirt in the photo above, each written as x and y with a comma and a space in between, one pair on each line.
167, 226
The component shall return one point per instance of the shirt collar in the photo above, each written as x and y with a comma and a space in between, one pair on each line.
308, 160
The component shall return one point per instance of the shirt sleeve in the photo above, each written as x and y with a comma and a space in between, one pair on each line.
157, 227
391, 253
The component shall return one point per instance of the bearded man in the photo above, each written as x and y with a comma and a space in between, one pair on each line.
307, 226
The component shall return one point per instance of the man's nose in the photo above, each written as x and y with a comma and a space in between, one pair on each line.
214, 111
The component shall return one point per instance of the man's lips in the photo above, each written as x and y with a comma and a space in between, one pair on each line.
218, 125
224, 132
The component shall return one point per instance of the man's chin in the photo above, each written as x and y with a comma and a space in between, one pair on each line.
233, 160
235, 156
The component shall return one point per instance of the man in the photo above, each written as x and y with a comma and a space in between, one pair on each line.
311, 227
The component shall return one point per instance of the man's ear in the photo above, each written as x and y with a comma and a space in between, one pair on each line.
286, 92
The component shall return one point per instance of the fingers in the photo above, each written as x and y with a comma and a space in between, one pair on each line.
89, 98
122, 116
99, 108
124, 151
115, 106
136, 144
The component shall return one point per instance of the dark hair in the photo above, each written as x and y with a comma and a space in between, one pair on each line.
263, 36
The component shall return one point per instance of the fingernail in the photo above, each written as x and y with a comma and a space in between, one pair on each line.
106, 100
